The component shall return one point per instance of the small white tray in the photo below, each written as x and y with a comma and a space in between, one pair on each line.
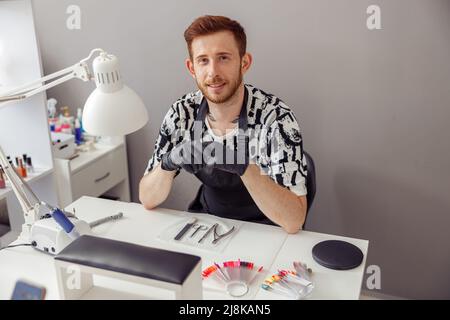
191, 240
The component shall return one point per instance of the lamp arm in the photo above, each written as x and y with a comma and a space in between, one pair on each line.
91, 54
79, 70
48, 86
36, 83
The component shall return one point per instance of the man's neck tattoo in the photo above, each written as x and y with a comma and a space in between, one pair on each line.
211, 117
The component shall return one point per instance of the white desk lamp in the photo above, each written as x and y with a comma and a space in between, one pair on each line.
112, 109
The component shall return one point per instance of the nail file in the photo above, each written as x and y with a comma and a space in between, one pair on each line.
185, 228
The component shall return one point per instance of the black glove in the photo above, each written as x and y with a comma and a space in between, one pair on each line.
233, 160
188, 155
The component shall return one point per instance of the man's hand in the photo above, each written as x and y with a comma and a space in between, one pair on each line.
193, 156
227, 159
188, 155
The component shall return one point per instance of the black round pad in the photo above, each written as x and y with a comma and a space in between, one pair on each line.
338, 255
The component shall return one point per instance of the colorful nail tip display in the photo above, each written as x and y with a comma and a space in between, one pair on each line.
234, 277
296, 284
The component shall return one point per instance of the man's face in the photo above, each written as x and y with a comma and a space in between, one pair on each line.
216, 66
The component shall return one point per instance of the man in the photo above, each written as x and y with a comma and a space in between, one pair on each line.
201, 128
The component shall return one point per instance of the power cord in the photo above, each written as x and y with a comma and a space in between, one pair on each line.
17, 245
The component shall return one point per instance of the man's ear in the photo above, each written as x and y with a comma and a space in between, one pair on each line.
247, 60
190, 67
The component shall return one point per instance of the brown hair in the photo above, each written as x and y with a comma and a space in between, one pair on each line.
206, 25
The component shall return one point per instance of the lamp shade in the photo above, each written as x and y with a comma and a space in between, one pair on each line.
114, 114
112, 109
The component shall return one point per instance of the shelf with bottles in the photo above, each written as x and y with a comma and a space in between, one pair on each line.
64, 122
37, 173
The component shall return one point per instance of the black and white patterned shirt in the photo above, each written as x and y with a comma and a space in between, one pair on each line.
274, 129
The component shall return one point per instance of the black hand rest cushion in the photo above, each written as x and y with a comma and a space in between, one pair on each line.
337, 254
128, 258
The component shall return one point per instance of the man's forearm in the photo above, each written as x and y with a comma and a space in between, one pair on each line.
279, 204
155, 187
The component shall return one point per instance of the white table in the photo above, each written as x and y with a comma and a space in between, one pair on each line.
264, 245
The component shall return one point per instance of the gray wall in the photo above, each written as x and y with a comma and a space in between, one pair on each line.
374, 107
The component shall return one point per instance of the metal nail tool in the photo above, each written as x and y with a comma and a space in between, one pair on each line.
106, 219
185, 228
198, 227
217, 236
208, 232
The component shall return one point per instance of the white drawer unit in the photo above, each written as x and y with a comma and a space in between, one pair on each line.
100, 172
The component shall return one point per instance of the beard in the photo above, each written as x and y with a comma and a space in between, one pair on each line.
230, 89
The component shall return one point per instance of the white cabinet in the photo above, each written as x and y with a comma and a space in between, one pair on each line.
103, 171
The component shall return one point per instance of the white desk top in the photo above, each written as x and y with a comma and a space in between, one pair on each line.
264, 245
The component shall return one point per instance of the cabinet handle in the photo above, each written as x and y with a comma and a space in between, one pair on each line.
102, 178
